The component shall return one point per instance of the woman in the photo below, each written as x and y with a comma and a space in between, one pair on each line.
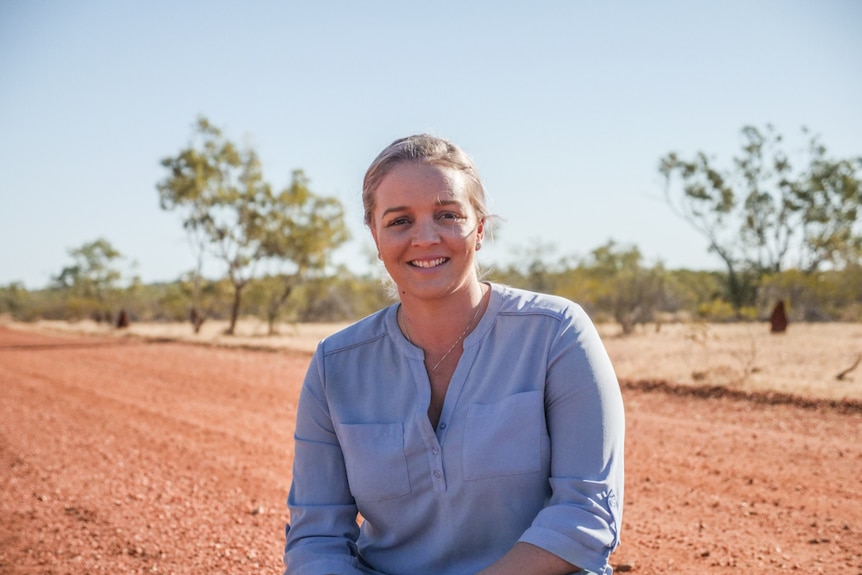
475, 428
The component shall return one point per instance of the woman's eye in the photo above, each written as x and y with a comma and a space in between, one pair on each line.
449, 216
398, 222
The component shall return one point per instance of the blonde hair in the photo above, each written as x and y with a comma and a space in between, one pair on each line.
430, 150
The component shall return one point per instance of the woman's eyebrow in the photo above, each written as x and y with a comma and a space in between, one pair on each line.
439, 203
388, 211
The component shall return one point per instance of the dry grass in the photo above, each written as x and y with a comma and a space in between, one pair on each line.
803, 361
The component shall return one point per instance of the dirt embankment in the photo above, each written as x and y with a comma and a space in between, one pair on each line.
129, 456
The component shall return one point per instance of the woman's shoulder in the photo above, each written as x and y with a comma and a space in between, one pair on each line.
522, 301
361, 332
530, 312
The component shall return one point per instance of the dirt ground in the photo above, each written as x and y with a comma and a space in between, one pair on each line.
125, 455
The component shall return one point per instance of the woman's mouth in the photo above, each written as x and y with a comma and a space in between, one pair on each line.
428, 263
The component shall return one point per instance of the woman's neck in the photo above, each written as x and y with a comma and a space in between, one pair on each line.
436, 324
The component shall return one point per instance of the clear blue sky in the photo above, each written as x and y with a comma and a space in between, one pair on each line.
566, 107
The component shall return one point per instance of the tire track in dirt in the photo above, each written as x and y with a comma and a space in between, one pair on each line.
133, 457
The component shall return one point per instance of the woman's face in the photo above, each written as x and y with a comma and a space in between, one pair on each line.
426, 230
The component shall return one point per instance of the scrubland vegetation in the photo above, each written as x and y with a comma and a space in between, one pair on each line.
785, 225
615, 288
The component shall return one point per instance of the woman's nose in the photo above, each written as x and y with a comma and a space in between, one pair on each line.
425, 232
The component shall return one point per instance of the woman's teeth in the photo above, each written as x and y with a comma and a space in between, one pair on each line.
428, 263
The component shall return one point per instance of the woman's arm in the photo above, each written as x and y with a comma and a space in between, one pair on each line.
586, 422
526, 559
321, 536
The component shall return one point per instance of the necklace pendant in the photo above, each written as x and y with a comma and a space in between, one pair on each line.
448, 351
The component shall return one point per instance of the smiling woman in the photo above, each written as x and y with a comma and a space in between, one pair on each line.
427, 233
475, 427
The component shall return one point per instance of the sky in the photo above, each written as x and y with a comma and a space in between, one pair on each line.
565, 106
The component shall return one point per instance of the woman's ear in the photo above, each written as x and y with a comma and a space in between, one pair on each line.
374, 239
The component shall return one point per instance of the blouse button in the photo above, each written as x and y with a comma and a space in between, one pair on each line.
442, 425
437, 473
435, 451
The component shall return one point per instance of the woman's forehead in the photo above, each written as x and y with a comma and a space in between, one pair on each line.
423, 182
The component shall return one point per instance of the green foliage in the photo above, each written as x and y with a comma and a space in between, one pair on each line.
823, 296
685, 290
763, 215
15, 301
92, 274
12, 297
720, 311
530, 270
336, 298
224, 200
229, 210
612, 283
832, 295
829, 195
173, 301
305, 229
90, 285
716, 310
631, 292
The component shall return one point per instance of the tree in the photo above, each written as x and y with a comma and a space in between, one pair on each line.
829, 196
92, 277
630, 291
174, 299
14, 299
300, 237
531, 268
215, 185
233, 213
763, 213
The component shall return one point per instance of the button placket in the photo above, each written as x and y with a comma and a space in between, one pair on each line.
436, 460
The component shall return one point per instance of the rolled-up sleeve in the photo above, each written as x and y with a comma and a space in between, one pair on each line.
321, 536
586, 423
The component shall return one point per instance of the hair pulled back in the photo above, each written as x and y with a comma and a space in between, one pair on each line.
426, 149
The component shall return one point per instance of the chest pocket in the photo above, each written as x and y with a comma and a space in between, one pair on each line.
506, 437
375, 460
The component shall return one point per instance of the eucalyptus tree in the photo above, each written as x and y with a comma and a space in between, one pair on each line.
764, 215
829, 198
197, 176
93, 277
631, 292
14, 299
232, 213
299, 237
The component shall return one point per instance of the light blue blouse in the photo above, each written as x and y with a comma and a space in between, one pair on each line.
529, 447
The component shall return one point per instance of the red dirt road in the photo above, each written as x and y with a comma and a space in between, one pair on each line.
121, 456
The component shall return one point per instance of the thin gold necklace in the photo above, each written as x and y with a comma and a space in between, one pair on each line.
460, 337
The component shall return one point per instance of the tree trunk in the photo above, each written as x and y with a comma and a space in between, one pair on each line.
197, 317
276, 303
734, 289
271, 324
234, 312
